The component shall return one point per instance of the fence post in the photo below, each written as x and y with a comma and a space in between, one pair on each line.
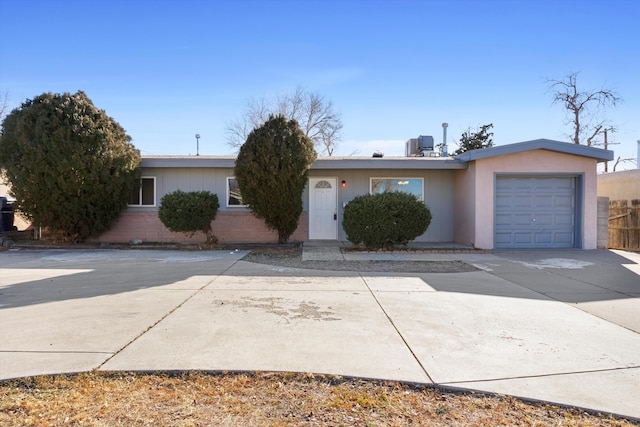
603, 223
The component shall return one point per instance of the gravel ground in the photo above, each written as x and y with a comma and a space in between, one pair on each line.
292, 258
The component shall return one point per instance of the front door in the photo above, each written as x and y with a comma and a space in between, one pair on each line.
323, 212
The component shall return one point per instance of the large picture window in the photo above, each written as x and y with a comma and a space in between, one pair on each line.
146, 194
234, 198
408, 185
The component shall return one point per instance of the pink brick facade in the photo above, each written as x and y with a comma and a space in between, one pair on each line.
229, 227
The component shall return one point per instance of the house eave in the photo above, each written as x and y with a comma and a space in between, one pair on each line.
322, 163
188, 161
336, 163
598, 154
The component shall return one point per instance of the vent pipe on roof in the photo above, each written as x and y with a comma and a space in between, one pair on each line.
445, 149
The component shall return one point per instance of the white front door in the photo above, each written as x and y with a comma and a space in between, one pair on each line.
323, 209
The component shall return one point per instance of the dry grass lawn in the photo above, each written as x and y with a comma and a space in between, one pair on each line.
261, 399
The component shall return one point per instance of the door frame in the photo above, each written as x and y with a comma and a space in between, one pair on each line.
334, 183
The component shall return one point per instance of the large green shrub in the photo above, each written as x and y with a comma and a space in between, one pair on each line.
189, 212
271, 170
71, 167
385, 219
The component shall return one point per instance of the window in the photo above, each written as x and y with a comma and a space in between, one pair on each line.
234, 198
146, 194
407, 185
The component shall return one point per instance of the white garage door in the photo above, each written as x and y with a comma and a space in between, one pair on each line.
535, 212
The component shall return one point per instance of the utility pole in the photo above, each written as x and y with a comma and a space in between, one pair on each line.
606, 164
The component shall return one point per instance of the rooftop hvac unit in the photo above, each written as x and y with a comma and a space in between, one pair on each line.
411, 147
425, 143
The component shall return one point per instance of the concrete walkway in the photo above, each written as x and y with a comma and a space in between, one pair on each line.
559, 326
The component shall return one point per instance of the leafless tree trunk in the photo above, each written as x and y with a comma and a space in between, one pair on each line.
314, 114
584, 109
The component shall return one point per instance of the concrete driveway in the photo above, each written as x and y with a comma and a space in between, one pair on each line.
560, 326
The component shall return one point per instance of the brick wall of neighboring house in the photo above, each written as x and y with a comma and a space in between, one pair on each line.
229, 227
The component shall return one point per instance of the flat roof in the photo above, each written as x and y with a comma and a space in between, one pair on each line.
361, 162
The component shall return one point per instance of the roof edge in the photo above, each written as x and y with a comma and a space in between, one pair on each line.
598, 154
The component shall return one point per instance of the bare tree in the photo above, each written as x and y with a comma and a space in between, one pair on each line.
314, 114
620, 160
4, 105
585, 109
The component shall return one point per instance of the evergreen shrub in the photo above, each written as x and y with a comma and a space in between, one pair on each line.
189, 212
385, 220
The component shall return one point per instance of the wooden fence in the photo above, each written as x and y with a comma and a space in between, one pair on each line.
624, 225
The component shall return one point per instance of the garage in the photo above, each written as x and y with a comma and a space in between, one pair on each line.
534, 212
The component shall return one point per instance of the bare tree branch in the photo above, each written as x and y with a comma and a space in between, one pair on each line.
314, 114
4, 105
620, 160
583, 107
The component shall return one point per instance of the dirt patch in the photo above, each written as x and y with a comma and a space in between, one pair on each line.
292, 258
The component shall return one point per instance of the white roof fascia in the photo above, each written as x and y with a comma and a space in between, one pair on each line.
188, 161
336, 163
322, 163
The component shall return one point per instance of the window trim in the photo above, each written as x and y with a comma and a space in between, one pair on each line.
421, 198
141, 205
228, 191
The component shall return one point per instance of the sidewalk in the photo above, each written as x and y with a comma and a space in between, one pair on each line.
558, 326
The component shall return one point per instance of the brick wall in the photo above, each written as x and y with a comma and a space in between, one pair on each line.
229, 227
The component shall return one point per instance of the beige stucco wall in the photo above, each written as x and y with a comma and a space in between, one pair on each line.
482, 180
623, 185
465, 205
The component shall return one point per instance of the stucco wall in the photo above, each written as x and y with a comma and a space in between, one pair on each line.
533, 162
623, 185
465, 205
438, 187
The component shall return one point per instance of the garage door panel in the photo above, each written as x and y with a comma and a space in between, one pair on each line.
543, 238
564, 202
565, 220
522, 202
504, 219
546, 200
503, 238
564, 239
522, 238
535, 212
522, 219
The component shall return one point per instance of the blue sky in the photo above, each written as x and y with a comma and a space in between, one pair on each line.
166, 70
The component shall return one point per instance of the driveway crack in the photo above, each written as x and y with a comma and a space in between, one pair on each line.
169, 313
406, 343
556, 374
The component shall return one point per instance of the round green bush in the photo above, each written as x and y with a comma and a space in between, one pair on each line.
189, 212
385, 220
